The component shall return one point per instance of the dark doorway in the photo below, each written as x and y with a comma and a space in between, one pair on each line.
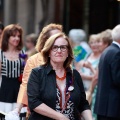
103, 14
73, 14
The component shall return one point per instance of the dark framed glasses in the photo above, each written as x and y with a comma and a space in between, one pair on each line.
63, 48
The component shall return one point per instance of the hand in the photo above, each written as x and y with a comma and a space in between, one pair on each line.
13, 115
95, 79
87, 64
94, 82
63, 117
81, 63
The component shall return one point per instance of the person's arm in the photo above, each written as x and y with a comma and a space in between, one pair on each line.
86, 115
86, 77
89, 66
43, 109
91, 88
35, 99
22, 95
94, 81
84, 107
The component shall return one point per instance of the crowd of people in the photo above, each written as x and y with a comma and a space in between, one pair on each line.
57, 76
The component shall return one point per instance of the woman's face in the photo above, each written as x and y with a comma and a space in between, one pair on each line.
14, 39
102, 46
29, 45
59, 51
94, 44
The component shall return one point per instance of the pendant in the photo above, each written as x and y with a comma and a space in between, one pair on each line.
71, 88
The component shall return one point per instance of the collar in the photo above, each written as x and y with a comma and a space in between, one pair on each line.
49, 68
116, 43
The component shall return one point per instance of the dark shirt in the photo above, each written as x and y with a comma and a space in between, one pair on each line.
42, 89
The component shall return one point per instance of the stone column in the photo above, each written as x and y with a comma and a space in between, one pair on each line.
23, 14
38, 15
9, 12
51, 11
45, 13
86, 16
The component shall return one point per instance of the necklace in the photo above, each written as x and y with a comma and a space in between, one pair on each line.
61, 78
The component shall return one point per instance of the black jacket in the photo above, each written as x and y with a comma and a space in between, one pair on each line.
108, 94
42, 89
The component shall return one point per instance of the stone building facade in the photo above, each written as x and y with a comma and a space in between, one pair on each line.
91, 15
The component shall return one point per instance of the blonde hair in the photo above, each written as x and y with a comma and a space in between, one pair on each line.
94, 37
106, 36
45, 34
48, 45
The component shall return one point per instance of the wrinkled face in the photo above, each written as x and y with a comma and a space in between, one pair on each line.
94, 44
102, 46
59, 51
14, 39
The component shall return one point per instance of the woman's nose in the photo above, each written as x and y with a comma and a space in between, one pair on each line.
59, 49
17, 38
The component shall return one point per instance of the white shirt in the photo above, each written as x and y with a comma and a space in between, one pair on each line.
114, 42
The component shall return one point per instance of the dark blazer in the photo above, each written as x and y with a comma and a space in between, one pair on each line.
42, 89
108, 93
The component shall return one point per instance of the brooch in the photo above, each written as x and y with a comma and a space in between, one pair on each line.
71, 88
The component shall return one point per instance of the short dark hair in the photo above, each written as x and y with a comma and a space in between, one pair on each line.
9, 31
32, 37
1, 26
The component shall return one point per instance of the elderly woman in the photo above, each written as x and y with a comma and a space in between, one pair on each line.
55, 91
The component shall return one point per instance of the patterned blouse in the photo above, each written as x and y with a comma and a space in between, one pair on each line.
69, 107
11, 68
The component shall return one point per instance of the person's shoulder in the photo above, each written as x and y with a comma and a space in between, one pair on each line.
39, 68
77, 76
35, 57
111, 50
76, 73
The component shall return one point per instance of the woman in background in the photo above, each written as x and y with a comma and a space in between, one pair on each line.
11, 66
105, 41
30, 43
87, 73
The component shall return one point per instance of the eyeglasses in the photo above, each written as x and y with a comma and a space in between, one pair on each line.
63, 48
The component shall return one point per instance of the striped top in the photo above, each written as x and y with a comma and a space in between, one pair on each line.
11, 68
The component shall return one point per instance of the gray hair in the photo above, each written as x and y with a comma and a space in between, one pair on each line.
116, 33
77, 35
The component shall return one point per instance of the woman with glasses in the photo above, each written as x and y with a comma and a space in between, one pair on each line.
55, 91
